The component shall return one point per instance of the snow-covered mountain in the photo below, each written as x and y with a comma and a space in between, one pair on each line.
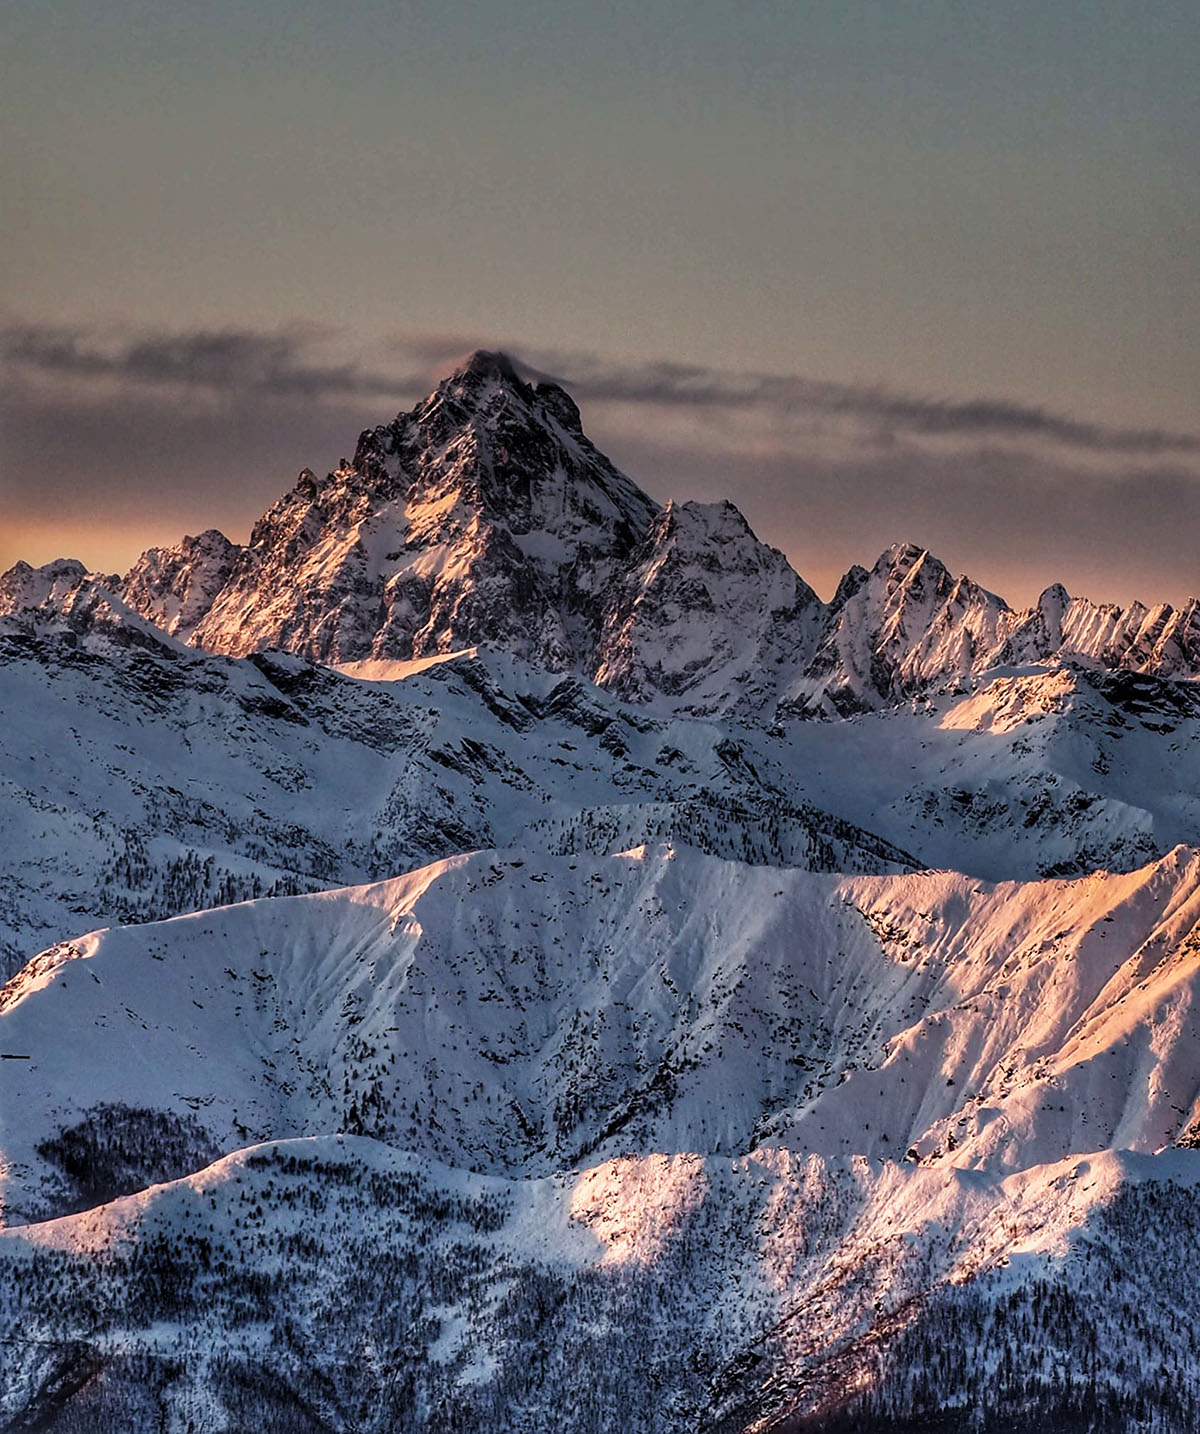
909, 627
519, 1013
706, 618
485, 515
139, 781
905, 626
637, 1115
666, 1000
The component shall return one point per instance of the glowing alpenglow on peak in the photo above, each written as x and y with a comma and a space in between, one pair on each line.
485, 516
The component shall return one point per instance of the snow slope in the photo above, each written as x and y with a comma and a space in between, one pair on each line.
518, 1012
831, 1115
140, 782
1021, 773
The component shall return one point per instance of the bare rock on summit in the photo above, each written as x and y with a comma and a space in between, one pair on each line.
905, 626
174, 587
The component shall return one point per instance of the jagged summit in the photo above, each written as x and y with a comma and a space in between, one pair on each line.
485, 515
175, 587
904, 556
707, 616
489, 364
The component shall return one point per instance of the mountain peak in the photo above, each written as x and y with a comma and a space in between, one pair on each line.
488, 364
902, 557
706, 615
482, 515
482, 372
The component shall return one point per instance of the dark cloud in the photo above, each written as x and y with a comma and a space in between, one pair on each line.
883, 413
181, 431
288, 363
240, 362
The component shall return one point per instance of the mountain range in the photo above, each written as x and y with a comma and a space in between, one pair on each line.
486, 516
493, 951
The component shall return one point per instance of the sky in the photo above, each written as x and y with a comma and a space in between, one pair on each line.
914, 270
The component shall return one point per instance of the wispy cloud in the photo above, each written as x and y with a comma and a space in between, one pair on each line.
882, 412
286, 363
295, 362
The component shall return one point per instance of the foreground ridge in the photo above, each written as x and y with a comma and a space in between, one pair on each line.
945, 1113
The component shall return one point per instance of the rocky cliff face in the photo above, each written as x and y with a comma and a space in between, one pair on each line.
905, 626
175, 587
483, 515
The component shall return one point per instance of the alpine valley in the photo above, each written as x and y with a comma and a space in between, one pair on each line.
494, 954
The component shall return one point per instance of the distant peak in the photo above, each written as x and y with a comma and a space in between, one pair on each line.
851, 582
721, 516
901, 559
493, 366
70, 568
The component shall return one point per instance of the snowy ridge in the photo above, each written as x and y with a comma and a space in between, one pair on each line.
707, 617
499, 1300
908, 627
543, 1009
139, 782
62, 600
833, 1150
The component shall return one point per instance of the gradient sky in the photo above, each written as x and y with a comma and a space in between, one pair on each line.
874, 270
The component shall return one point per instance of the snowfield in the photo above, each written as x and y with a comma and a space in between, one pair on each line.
516, 1013
854, 1097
